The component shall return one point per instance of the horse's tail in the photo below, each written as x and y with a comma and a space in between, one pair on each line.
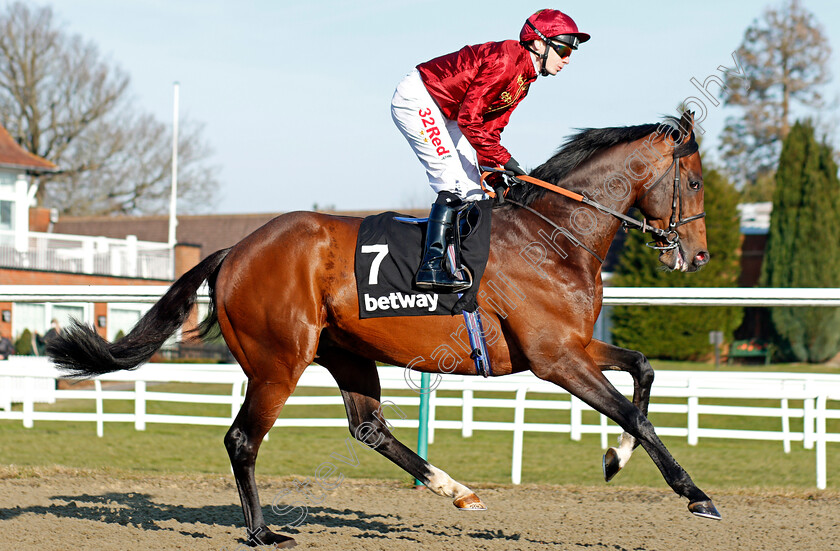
80, 351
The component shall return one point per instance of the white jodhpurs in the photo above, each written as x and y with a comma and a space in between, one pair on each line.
449, 159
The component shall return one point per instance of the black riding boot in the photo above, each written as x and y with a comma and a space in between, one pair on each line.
433, 274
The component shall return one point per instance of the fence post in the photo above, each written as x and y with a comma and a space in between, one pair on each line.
466, 413
100, 421
821, 442
785, 425
139, 405
604, 436
693, 420
808, 424
432, 411
693, 416
575, 417
235, 399
518, 435
423, 421
28, 403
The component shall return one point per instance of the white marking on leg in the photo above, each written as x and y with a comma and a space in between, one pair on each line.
625, 449
443, 485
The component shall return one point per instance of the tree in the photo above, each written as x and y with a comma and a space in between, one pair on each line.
63, 102
803, 247
785, 59
23, 344
681, 332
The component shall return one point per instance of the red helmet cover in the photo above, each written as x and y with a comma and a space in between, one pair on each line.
550, 23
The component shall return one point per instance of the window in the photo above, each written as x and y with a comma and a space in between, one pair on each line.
29, 316
7, 215
64, 313
7, 183
123, 317
37, 317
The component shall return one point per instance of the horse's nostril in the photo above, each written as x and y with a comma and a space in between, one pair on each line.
701, 258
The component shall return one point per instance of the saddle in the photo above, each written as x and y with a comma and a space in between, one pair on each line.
389, 249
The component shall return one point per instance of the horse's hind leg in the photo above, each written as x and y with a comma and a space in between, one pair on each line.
636, 364
263, 402
358, 380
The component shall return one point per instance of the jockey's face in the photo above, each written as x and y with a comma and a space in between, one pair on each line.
554, 64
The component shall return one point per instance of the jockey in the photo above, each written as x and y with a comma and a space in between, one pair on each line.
452, 111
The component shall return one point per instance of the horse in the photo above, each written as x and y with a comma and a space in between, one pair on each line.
284, 297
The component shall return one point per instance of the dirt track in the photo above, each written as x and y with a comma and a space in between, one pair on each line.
56, 509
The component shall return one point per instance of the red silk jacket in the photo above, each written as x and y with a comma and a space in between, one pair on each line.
479, 86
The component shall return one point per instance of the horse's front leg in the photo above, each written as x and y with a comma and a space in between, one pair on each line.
578, 373
636, 364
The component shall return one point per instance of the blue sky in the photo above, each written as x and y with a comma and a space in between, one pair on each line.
295, 95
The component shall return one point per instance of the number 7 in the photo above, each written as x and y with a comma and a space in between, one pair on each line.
381, 250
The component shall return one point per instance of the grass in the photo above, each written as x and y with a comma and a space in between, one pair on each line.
485, 457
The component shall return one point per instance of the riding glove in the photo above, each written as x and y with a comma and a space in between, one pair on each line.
514, 167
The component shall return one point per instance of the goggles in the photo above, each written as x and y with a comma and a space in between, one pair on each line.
562, 50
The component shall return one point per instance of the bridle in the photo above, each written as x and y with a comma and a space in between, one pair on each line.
670, 236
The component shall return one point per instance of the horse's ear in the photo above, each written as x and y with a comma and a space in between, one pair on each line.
686, 126
687, 122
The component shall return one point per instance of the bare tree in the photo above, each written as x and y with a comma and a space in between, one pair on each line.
63, 102
785, 57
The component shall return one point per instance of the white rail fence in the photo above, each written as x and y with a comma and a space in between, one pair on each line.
684, 390
685, 393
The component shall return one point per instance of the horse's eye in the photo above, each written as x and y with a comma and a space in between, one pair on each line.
694, 185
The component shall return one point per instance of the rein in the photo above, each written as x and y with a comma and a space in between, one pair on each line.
670, 236
564, 231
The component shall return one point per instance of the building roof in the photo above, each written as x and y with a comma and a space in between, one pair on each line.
210, 231
13, 155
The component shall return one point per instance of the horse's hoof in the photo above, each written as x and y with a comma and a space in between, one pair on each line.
705, 509
281, 542
611, 464
265, 536
469, 503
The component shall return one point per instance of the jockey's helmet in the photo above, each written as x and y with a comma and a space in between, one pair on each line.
552, 24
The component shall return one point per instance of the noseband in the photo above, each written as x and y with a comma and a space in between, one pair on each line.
671, 236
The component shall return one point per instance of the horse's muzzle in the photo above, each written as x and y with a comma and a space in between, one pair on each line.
701, 259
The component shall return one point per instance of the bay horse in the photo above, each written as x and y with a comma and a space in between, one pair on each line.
285, 297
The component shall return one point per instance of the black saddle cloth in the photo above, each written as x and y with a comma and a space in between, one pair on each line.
388, 254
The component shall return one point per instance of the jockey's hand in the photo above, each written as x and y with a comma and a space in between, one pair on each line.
513, 166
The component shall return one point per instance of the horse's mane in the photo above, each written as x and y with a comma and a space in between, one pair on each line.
581, 146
